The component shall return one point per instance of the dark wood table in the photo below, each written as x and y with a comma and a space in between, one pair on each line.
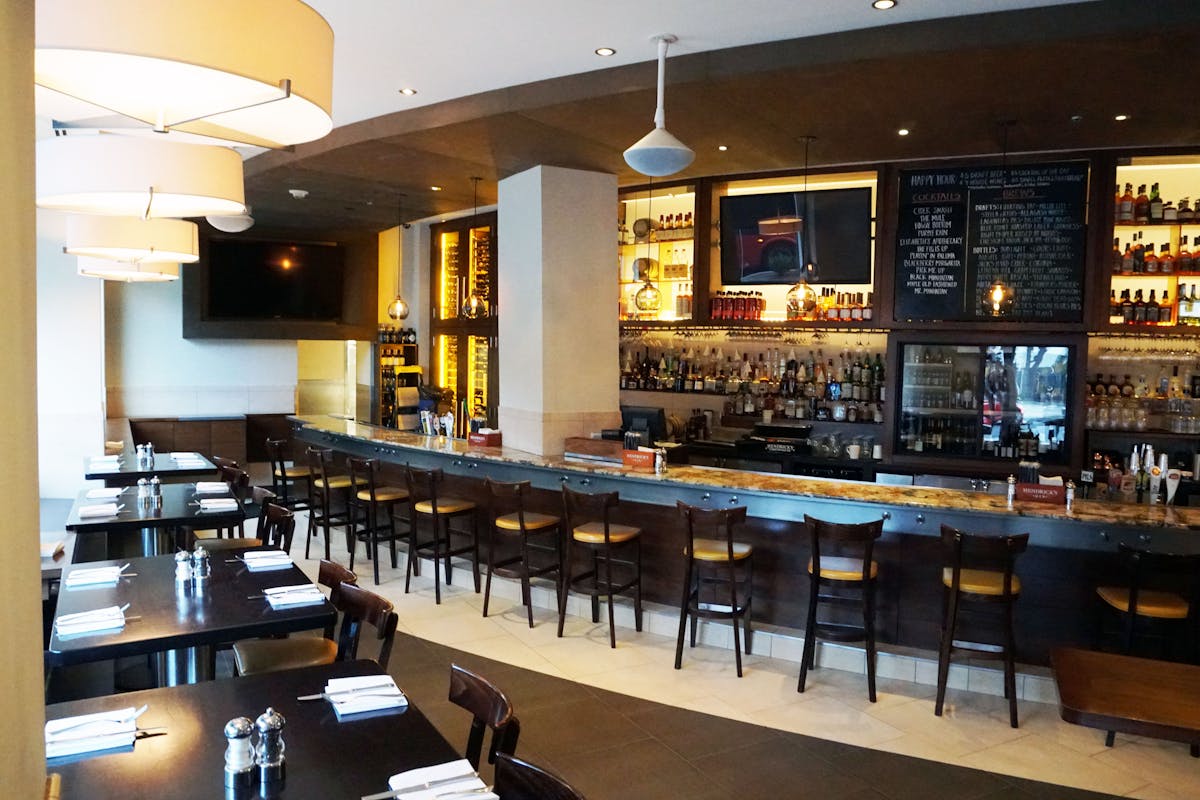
126, 471
180, 509
325, 758
52, 565
1117, 693
183, 624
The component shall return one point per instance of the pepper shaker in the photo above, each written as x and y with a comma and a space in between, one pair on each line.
1012, 490
239, 753
156, 499
201, 569
268, 754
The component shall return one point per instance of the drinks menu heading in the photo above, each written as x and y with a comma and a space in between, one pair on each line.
960, 230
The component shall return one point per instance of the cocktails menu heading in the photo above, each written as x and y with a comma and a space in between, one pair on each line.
961, 230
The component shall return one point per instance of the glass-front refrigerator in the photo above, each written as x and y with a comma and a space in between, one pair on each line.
984, 401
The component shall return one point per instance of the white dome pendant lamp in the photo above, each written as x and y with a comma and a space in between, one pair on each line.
658, 153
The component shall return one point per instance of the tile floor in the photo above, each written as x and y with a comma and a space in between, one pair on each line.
616, 739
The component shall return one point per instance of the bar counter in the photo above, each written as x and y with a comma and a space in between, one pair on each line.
1070, 552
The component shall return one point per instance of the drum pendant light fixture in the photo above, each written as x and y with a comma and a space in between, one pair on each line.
658, 153
398, 308
127, 271
140, 241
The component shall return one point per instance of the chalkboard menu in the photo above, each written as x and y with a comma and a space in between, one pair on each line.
961, 230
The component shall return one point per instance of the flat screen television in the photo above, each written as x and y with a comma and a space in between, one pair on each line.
264, 280
768, 238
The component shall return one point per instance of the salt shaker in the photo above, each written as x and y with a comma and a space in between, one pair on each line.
1070, 496
183, 568
269, 752
239, 753
143, 491
660, 461
201, 568
1012, 490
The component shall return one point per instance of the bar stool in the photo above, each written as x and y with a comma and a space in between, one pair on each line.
322, 486
979, 569
536, 533
723, 555
284, 478
366, 503
605, 540
424, 502
1162, 588
841, 559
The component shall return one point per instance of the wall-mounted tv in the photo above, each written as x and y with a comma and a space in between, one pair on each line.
768, 238
264, 280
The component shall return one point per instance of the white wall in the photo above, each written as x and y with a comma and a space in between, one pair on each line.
152, 370
70, 361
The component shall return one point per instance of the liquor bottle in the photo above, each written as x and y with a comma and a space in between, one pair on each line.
1166, 261
1165, 309
1127, 261
1185, 213
1141, 207
1183, 306
1139, 309
1127, 388
1156, 205
1114, 308
1151, 310
1126, 308
1183, 259
869, 308
1149, 260
1170, 213
1099, 388
1114, 386
1116, 256
1125, 206
1139, 253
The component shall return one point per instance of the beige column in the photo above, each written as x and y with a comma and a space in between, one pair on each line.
557, 300
22, 758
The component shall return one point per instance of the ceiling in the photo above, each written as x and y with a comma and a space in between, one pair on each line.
506, 86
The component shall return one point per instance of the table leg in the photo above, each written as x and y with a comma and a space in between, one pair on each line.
186, 665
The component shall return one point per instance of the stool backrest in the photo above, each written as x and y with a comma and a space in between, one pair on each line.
423, 485
362, 607
843, 538
520, 780
581, 507
508, 498
276, 526
277, 454
333, 575
979, 551
320, 462
489, 708
719, 521
364, 472
1161, 571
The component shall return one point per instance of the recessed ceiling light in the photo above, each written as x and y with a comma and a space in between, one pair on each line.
883, 5
902, 132
408, 91
605, 51
1121, 117
435, 188
722, 148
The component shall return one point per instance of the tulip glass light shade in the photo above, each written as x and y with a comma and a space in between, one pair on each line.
474, 307
258, 73
150, 241
134, 177
998, 299
127, 271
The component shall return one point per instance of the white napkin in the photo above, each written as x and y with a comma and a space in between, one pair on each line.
442, 776
185, 456
104, 494
93, 576
304, 594
218, 504
89, 732
98, 510
360, 695
102, 620
106, 459
212, 487
264, 560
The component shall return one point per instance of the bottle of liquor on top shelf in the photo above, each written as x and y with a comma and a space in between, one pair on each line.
1125, 206
1156, 205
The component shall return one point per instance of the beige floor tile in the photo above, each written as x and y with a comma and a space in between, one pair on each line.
829, 718
1168, 764
510, 650
1153, 791
1035, 758
961, 730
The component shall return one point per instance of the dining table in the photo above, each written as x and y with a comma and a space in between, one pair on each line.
325, 757
176, 619
161, 525
126, 469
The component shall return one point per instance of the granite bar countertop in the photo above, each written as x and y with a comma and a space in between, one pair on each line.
916, 497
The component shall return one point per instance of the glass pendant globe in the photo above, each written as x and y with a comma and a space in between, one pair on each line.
648, 298
398, 308
801, 300
997, 300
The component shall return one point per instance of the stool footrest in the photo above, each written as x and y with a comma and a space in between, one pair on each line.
834, 632
983, 648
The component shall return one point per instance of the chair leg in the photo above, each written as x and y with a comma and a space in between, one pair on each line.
410, 563
949, 620
475, 551
437, 555
392, 531
612, 628
565, 575
327, 510
1010, 667
684, 609
1110, 738
487, 586
733, 606
808, 654
869, 628
374, 544
351, 536
749, 600
637, 587
595, 585
526, 594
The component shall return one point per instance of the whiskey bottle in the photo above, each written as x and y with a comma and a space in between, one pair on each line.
1166, 261
1183, 259
1156, 205
1165, 309
1139, 309
1151, 310
1126, 308
1185, 213
1149, 260
1127, 261
1125, 206
1141, 207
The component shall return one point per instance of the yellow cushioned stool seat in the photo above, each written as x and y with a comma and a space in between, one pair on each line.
839, 568
980, 581
533, 521
593, 533
269, 655
718, 550
297, 471
1161, 605
386, 494
446, 505
336, 482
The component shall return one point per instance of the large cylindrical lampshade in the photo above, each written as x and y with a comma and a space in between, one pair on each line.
130, 239
135, 177
210, 67
127, 271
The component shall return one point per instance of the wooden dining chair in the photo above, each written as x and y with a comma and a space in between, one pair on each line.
490, 709
520, 780
289, 482
276, 526
259, 497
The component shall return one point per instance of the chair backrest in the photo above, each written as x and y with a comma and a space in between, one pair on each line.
489, 708
843, 538
277, 454
276, 526
1161, 571
508, 498
364, 473
422, 485
260, 496
978, 551
581, 507
238, 481
362, 607
333, 575
320, 461
224, 463
719, 521
520, 780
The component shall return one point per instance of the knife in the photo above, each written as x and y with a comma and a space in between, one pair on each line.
381, 689
420, 787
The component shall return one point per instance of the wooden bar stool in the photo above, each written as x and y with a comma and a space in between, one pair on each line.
1162, 588
365, 506
722, 557
604, 539
323, 488
536, 534
424, 502
289, 482
841, 559
979, 569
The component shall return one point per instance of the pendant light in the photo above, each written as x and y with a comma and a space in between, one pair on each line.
398, 308
648, 298
998, 299
474, 306
801, 299
232, 223
127, 271
141, 241
658, 153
